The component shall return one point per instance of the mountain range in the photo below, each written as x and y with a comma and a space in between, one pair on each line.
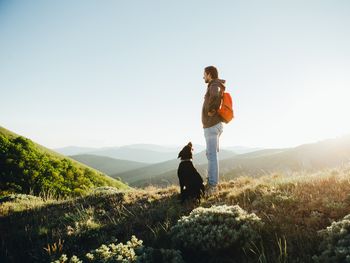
143, 153
22, 156
307, 157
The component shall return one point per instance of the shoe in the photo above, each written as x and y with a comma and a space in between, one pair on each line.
211, 190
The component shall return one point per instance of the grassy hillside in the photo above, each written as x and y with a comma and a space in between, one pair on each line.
107, 165
308, 157
290, 210
26, 167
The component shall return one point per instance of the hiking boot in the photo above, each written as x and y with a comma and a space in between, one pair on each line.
211, 190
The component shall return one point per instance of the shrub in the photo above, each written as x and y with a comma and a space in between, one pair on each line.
18, 202
335, 244
109, 253
132, 251
212, 230
19, 198
105, 190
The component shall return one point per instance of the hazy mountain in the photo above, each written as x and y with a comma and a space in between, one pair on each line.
151, 147
135, 154
201, 157
107, 165
309, 157
144, 153
160, 168
74, 150
242, 149
164, 178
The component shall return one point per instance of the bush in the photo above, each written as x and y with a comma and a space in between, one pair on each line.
132, 251
105, 190
109, 253
19, 198
335, 244
213, 230
18, 202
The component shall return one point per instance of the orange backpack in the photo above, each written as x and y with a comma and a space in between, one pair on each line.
226, 109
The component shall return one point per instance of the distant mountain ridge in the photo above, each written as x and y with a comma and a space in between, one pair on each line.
74, 150
108, 165
308, 157
243, 149
150, 171
144, 153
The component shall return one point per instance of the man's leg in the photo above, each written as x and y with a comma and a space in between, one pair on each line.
212, 135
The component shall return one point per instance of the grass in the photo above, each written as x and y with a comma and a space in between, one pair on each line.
293, 209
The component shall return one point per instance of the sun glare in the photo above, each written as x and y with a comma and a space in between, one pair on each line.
323, 107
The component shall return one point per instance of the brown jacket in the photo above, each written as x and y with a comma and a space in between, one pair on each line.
212, 101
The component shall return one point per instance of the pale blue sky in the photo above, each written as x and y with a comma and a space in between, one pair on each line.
110, 73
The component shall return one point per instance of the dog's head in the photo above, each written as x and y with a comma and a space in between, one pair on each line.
186, 152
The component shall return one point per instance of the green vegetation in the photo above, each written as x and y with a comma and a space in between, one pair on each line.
28, 168
218, 232
283, 219
54, 209
132, 251
335, 245
76, 226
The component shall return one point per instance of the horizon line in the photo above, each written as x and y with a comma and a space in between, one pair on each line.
222, 146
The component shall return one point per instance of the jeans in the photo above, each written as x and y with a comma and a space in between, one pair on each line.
212, 135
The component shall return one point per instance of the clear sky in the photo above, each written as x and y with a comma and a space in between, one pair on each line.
110, 73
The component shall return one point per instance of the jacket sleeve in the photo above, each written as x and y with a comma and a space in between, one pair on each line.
214, 100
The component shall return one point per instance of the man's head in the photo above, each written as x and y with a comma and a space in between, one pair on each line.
210, 73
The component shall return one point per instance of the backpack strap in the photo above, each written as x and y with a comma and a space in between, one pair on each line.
222, 90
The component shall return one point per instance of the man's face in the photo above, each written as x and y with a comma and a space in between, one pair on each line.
206, 77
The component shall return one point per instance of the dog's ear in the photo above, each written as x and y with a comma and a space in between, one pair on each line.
189, 144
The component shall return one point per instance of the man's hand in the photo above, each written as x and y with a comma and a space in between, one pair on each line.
211, 113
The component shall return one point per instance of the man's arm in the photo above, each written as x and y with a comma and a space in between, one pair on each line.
214, 99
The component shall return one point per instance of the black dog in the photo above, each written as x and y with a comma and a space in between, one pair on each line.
191, 182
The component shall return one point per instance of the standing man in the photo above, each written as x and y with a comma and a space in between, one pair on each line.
212, 124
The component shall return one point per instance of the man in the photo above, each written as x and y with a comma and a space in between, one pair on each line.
212, 124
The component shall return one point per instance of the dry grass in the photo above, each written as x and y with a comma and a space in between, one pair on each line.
293, 208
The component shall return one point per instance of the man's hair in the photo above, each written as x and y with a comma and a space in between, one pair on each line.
212, 71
